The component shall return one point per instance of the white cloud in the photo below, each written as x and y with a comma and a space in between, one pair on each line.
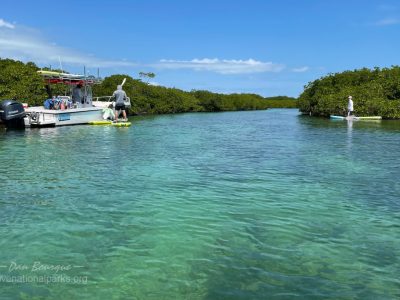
27, 44
387, 8
223, 66
301, 69
388, 21
6, 24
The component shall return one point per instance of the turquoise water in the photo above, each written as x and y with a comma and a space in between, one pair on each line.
236, 205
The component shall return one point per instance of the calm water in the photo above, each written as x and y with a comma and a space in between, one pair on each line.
237, 205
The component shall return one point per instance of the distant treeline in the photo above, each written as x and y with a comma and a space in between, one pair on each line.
375, 92
151, 99
20, 81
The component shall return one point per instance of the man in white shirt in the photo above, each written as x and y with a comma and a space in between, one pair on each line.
350, 106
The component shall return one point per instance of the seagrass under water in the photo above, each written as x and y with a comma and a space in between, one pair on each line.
238, 205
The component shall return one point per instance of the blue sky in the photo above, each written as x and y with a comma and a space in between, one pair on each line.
264, 47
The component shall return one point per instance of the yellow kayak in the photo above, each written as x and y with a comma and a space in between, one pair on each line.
58, 74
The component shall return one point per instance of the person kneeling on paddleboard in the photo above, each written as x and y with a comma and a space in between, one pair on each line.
108, 113
120, 97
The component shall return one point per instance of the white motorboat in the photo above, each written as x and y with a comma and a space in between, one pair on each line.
60, 110
64, 110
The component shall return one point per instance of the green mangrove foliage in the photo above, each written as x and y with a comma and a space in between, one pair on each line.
148, 76
281, 102
375, 92
21, 82
148, 99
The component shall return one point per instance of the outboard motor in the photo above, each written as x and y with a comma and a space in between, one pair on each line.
12, 114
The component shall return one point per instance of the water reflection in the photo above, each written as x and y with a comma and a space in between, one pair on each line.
316, 122
349, 133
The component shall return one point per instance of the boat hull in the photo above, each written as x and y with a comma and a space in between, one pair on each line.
41, 117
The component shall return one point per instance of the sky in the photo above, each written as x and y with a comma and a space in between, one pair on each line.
270, 47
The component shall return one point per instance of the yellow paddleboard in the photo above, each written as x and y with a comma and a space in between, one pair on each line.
103, 122
122, 124
107, 122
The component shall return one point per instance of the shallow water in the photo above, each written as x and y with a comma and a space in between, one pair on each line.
236, 205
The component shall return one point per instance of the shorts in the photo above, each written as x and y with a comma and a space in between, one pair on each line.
119, 107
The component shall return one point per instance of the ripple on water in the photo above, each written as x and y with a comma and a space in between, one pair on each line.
243, 205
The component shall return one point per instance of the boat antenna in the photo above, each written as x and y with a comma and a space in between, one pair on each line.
123, 82
59, 59
84, 74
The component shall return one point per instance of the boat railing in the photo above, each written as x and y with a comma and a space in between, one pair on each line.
106, 100
103, 98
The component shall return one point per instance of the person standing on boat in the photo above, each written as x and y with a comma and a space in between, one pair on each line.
350, 107
77, 94
120, 97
